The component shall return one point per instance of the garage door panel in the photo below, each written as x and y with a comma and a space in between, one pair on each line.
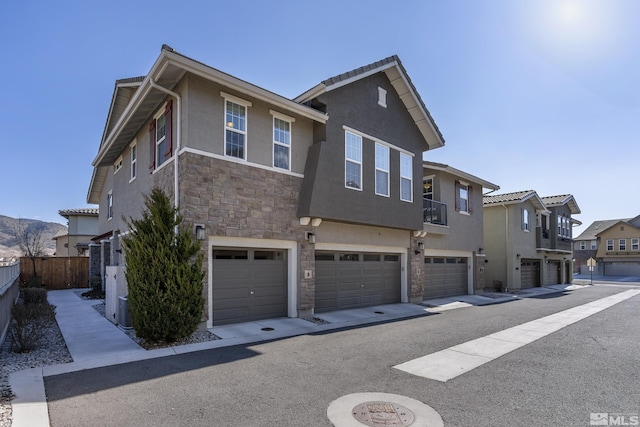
445, 277
249, 289
358, 280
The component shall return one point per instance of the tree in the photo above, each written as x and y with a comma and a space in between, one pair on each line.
31, 243
164, 272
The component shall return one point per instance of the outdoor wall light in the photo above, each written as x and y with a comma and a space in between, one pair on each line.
311, 237
480, 250
517, 255
200, 231
421, 244
546, 259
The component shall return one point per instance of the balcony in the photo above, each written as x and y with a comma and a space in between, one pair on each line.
434, 212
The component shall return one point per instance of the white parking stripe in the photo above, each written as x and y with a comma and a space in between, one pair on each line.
454, 361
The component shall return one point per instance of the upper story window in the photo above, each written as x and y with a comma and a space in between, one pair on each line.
427, 188
593, 244
110, 205
635, 244
583, 245
525, 219
406, 178
622, 244
235, 130
117, 165
609, 244
564, 228
161, 144
134, 160
382, 170
463, 197
353, 161
281, 142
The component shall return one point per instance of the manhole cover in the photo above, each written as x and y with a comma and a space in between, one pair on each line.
382, 414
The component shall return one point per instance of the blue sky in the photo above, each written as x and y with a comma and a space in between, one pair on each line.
529, 94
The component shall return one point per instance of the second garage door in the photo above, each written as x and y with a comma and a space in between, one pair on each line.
351, 280
529, 273
248, 285
553, 273
445, 277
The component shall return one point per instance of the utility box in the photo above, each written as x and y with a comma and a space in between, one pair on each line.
123, 313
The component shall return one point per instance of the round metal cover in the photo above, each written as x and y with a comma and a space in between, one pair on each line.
383, 414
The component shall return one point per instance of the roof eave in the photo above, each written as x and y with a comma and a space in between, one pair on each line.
461, 174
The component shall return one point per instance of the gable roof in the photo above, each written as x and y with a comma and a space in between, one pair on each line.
514, 198
460, 174
400, 81
596, 227
561, 200
134, 100
616, 223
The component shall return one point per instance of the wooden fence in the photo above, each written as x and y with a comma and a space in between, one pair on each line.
57, 272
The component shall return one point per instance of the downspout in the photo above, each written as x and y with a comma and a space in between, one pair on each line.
506, 241
176, 197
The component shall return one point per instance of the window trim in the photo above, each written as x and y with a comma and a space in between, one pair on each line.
289, 121
525, 220
594, 245
407, 177
583, 245
117, 166
133, 160
110, 205
245, 104
469, 188
382, 97
609, 244
622, 245
356, 162
635, 243
386, 171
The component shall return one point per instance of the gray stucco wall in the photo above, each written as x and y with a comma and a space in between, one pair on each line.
356, 105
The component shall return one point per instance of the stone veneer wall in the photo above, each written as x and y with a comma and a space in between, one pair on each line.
237, 200
417, 274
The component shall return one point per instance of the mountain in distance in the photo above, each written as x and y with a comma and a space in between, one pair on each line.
9, 243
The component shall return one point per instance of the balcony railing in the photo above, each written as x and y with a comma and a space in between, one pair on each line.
434, 212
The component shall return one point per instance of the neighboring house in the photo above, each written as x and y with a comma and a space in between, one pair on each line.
528, 239
617, 247
454, 259
82, 226
305, 205
585, 245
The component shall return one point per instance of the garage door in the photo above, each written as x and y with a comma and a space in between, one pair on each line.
351, 280
529, 273
445, 277
553, 273
248, 285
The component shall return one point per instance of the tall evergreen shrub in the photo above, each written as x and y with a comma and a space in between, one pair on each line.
164, 272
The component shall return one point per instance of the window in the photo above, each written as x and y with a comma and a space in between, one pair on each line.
110, 205
427, 188
593, 244
117, 165
353, 161
622, 244
382, 97
161, 148
134, 160
583, 245
635, 244
281, 143
235, 130
463, 197
525, 220
406, 178
609, 244
382, 170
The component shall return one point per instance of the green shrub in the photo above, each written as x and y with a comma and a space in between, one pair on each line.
164, 273
33, 295
28, 325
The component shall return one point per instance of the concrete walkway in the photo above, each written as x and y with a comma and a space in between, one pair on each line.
95, 342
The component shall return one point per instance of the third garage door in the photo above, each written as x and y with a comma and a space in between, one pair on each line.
445, 277
351, 280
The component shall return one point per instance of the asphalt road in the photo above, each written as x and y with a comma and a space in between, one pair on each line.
592, 366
